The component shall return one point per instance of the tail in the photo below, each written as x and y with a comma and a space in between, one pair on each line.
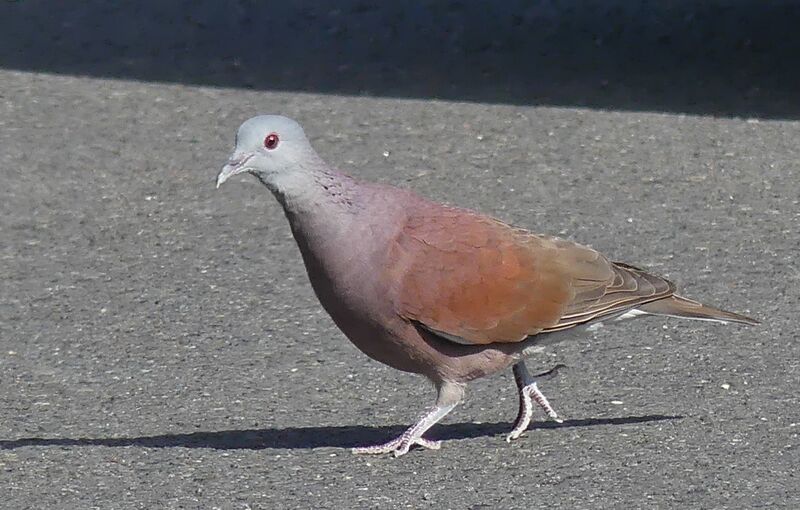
677, 306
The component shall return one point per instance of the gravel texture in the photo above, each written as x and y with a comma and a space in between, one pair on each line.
160, 346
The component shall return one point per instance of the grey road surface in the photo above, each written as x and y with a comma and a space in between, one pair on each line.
160, 346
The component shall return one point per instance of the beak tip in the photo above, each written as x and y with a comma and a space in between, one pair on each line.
234, 166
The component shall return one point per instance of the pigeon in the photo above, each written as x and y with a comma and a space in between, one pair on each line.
441, 291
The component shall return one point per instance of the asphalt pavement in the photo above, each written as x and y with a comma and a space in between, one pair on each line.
160, 346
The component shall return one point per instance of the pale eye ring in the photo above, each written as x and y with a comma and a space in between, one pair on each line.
271, 141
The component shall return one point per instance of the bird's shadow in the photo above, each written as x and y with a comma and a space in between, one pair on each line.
312, 437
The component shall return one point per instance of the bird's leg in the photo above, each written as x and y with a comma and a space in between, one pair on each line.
528, 391
449, 395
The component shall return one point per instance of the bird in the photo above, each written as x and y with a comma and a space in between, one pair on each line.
441, 291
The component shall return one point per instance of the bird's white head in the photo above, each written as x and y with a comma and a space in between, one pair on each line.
268, 146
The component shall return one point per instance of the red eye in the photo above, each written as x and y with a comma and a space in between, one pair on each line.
271, 141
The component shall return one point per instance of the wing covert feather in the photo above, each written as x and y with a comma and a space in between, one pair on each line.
475, 280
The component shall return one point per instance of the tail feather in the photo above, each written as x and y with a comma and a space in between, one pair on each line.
677, 306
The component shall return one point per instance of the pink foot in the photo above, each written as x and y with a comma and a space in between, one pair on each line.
399, 446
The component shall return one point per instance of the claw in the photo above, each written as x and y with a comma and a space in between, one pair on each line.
514, 434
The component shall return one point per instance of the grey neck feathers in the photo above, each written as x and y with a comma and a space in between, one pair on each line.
314, 196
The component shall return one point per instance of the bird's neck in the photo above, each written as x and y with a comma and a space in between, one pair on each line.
322, 214
311, 191
318, 201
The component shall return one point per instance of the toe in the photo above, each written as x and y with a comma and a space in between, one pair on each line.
402, 450
429, 444
515, 434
